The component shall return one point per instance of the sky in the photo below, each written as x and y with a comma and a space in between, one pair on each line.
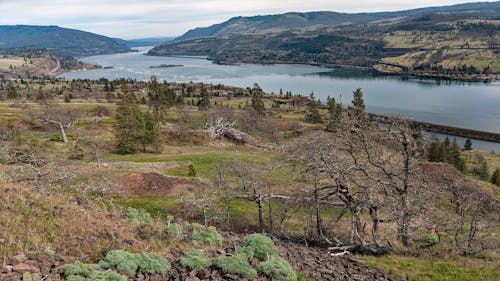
130, 19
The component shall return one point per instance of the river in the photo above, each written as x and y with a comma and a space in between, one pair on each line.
471, 105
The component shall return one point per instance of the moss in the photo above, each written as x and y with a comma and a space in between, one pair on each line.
194, 259
262, 245
277, 269
138, 216
207, 237
235, 265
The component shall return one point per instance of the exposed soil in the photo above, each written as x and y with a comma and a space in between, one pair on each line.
153, 184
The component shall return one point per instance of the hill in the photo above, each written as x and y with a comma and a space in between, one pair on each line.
458, 42
315, 20
141, 42
61, 41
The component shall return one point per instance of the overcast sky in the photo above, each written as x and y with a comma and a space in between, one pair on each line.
148, 18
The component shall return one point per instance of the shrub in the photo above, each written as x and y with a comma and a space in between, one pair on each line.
194, 259
152, 264
207, 237
432, 238
174, 229
147, 231
123, 261
234, 265
89, 272
262, 245
245, 253
191, 170
277, 269
138, 216
129, 263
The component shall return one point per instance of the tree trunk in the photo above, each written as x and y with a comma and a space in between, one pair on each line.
205, 217
374, 214
404, 228
270, 209
319, 223
260, 204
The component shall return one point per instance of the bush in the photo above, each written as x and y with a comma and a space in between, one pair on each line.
194, 259
123, 261
89, 272
129, 263
234, 265
432, 238
277, 269
207, 237
138, 216
245, 253
262, 245
174, 229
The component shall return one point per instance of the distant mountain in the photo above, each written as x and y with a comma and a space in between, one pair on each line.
61, 41
459, 42
315, 20
141, 42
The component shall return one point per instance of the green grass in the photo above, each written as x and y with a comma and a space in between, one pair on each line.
157, 206
414, 269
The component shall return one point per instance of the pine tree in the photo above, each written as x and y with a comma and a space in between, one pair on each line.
495, 177
129, 123
468, 144
358, 108
312, 114
257, 100
455, 157
334, 114
204, 101
436, 152
483, 172
161, 98
150, 132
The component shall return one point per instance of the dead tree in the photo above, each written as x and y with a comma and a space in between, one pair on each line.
220, 128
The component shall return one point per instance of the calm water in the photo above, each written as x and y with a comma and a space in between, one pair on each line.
462, 104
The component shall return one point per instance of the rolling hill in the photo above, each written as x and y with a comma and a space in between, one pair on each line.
61, 41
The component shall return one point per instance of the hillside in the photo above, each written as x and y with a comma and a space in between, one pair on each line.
462, 43
61, 41
315, 20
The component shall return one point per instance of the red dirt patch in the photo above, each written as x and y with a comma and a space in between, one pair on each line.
153, 184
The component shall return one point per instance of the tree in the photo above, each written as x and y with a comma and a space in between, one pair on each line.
334, 115
204, 100
161, 98
150, 132
436, 153
455, 157
312, 113
468, 144
495, 177
357, 110
257, 100
483, 171
129, 125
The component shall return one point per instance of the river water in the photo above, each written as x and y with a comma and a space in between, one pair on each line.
472, 105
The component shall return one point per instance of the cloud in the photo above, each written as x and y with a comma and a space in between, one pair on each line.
135, 18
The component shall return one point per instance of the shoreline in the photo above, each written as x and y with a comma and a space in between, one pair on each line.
445, 129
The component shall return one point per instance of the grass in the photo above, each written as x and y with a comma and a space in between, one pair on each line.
415, 269
157, 206
5, 63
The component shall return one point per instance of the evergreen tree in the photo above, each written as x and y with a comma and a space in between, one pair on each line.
436, 152
150, 132
357, 110
483, 172
312, 114
161, 98
455, 157
129, 123
495, 177
204, 101
334, 114
468, 144
257, 100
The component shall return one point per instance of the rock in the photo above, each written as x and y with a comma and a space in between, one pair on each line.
23, 267
19, 259
11, 277
6, 269
27, 276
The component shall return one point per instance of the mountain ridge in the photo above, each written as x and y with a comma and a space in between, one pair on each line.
59, 40
318, 19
